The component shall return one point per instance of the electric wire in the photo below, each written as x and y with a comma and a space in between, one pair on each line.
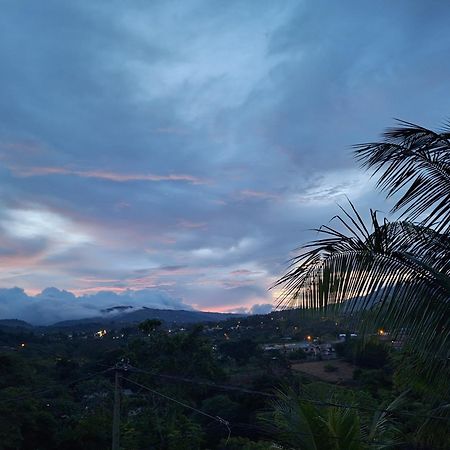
227, 423
185, 405
274, 396
127, 367
43, 391
204, 383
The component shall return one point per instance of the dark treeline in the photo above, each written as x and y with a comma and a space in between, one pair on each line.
56, 390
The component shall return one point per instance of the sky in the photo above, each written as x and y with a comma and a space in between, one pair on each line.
175, 153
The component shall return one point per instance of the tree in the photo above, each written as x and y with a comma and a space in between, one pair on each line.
391, 274
240, 350
149, 325
299, 422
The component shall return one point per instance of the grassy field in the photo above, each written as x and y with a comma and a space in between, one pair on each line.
343, 374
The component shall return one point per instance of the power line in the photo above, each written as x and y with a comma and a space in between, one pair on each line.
69, 383
229, 388
199, 411
266, 394
204, 383
226, 423
218, 419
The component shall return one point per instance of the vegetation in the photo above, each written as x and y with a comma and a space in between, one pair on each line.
236, 384
399, 271
58, 389
313, 424
392, 275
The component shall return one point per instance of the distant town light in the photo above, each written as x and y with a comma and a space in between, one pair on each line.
22, 344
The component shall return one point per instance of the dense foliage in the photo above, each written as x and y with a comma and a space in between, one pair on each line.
56, 389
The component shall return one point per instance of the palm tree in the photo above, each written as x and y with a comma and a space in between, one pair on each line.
397, 273
418, 159
302, 423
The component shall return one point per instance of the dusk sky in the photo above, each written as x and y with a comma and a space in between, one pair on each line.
182, 150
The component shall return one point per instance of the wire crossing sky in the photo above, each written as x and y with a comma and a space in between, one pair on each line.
173, 153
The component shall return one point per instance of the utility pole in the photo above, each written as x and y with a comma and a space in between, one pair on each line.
116, 412
120, 367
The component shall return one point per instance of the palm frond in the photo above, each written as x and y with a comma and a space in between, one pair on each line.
383, 426
301, 421
414, 162
344, 428
398, 274
297, 423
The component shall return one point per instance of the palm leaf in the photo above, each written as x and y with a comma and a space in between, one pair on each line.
344, 428
414, 162
399, 274
383, 426
297, 423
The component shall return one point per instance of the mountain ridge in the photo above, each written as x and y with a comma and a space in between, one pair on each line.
127, 318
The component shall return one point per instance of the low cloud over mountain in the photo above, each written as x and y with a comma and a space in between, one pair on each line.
53, 305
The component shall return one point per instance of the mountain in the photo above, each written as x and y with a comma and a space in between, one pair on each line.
169, 316
14, 323
116, 309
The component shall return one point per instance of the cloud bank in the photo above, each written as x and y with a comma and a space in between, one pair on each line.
54, 305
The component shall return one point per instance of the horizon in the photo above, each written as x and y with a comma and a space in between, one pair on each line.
185, 150
53, 305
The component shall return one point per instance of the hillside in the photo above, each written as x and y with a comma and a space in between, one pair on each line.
168, 316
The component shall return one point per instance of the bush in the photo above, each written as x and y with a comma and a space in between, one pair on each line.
297, 354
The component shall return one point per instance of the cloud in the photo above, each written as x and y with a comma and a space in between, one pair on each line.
257, 308
258, 195
181, 155
264, 308
103, 175
53, 305
188, 224
33, 223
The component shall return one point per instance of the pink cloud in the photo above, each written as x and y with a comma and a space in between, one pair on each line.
237, 307
94, 280
149, 282
251, 194
25, 147
244, 272
107, 175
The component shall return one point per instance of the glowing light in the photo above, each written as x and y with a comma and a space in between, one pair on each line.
22, 345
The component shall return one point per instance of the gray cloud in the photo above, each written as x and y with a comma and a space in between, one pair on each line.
189, 146
261, 308
53, 305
